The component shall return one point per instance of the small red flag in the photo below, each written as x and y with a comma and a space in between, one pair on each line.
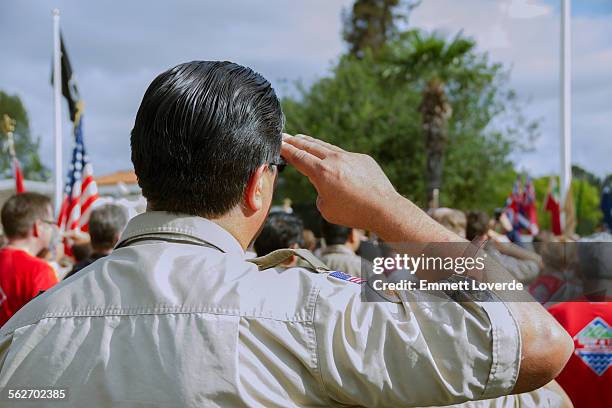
18, 177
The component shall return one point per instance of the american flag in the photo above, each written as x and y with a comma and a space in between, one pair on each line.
346, 277
81, 190
521, 209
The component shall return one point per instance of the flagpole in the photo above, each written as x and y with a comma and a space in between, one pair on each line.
566, 102
57, 94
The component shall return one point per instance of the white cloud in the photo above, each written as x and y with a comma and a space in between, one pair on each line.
525, 9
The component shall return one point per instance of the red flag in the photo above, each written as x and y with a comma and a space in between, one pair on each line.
18, 177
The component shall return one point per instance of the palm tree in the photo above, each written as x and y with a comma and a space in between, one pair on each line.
436, 65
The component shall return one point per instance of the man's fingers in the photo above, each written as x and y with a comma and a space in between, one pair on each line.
322, 143
287, 137
309, 146
303, 161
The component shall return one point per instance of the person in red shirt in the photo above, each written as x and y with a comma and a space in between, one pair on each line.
27, 220
587, 377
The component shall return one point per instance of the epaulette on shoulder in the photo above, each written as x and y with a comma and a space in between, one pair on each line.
279, 256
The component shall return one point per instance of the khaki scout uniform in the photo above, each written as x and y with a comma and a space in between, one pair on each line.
176, 316
341, 258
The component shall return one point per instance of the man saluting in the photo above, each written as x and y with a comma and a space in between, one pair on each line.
176, 316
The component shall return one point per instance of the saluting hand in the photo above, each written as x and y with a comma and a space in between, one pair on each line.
352, 187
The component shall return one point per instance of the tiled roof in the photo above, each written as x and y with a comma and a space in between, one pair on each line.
126, 177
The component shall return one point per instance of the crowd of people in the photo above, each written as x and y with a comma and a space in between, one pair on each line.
570, 276
32, 256
174, 292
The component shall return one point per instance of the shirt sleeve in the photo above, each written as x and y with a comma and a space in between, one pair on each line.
422, 352
540, 398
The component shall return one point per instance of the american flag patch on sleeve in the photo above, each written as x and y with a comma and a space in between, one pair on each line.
346, 277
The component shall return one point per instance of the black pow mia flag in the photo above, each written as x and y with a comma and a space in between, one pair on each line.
69, 88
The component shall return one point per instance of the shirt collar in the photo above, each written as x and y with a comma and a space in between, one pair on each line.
153, 222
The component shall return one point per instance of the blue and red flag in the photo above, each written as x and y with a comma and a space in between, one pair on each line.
521, 210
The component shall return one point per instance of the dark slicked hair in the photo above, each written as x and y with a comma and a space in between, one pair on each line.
202, 129
280, 231
477, 225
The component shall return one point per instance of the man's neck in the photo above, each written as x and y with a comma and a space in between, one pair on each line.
233, 222
24, 244
237, 229
243, 224
102, 251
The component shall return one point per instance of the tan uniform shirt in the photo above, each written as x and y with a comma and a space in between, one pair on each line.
341, 258
177, 317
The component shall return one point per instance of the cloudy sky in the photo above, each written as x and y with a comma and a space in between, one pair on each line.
117, 48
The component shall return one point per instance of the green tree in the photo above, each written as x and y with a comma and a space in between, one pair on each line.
587, 189
26, 147
371, 23
586, 197
358, 110
607, 181
366, 105
444, 71
583, 174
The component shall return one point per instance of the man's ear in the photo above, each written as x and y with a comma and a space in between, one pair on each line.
353, 236
253, 195
292, 261
35, 229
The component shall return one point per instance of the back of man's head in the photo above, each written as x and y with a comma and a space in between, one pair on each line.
450, 218
335, 234
281, 230
477, 225
21, 211
310, 241
105, 226
202, 129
